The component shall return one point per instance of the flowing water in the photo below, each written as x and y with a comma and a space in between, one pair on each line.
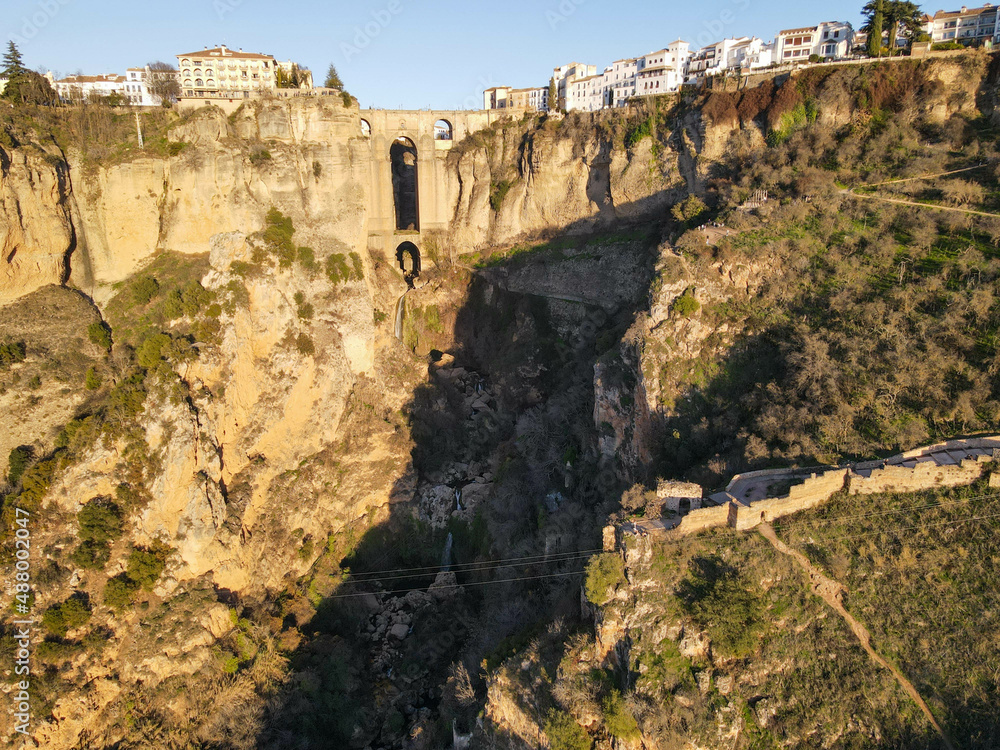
400, 312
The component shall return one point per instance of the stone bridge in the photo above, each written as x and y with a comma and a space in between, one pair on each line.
408, 197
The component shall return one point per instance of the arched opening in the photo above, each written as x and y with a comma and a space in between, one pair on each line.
366, 129
443, 131
403, 155
408, 257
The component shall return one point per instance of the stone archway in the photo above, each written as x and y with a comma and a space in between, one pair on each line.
403, 158
408, 258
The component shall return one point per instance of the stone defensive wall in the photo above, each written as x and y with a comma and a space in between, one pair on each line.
950, 464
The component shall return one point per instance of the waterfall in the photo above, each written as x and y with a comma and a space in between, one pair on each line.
458, 500
400, 312
446, 555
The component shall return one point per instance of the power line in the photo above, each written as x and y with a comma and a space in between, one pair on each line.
460, 586
480, 567
466, 567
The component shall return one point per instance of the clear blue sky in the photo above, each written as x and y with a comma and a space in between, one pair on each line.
432, 53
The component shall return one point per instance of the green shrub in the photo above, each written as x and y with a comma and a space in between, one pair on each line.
605, 573
307, 258
12, 352
306, 311
689, 210
93, 379
119, 592
379, 317
686, 305
91, 555
356, 264
618, 719
564, 733
173, 307
144, 289
721, 601
100, 521
100, 335
259, 155
946, 46
639, 131
35, 383
337, 269
305, 345
19, 460
61, 618
146, 565
498, 192
151, 351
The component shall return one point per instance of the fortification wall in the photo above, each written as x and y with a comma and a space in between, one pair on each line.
925, 475
703, 519
816, 490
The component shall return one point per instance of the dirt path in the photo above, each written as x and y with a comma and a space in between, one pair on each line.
832, 593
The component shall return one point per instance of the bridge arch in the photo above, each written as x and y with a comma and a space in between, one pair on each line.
403, 158
366, 128
408, 257
443, 131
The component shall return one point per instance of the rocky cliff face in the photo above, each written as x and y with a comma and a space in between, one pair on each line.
280, 435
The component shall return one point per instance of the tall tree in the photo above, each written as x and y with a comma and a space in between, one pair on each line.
163, 83
553, 95
13, 64
874, 12
903, 17
333, 79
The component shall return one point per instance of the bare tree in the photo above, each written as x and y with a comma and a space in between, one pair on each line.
163, 83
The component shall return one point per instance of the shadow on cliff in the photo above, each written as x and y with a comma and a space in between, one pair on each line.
511, 497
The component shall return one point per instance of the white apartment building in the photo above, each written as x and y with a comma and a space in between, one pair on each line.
567, 74
536, 99
222, 73
664, 71
966, 25
620, 80
830, 40
80, 88
497, 97
743, 53
586, 94
505, 97
752, 54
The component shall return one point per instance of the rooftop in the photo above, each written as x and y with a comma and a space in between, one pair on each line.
108, 78
224, 51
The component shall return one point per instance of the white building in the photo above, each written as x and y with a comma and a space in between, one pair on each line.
830, 40
586, 94
80, 88
752, 54
743, 53
620, 81
222, 73
967, 25
505, 97
566, 75
497, 97
664, 71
